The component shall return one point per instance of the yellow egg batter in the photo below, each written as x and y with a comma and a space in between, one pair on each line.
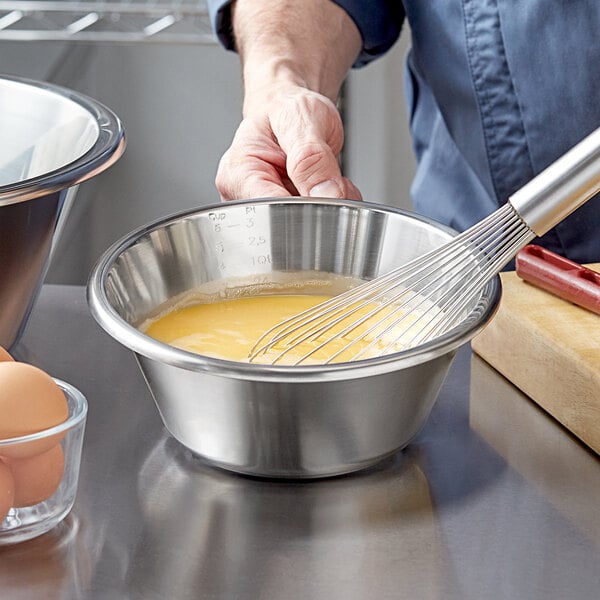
229, 330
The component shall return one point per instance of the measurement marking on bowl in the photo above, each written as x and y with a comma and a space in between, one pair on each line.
260, 259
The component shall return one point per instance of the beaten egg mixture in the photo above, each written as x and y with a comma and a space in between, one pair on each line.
229, 329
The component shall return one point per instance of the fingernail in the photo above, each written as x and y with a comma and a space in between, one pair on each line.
325, 189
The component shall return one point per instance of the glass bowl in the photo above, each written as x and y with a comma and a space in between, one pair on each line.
51, 475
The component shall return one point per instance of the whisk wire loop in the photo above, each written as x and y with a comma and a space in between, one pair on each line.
477, 249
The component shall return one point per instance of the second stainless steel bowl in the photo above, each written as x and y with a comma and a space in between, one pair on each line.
53, 139
277, 421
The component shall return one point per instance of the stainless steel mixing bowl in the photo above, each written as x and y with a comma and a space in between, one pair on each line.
52, 140
277, 421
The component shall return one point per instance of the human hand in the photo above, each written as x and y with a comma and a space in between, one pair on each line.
288, 143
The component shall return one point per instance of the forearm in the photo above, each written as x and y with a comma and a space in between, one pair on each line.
309, 43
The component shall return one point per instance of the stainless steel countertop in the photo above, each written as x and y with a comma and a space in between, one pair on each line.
494, 499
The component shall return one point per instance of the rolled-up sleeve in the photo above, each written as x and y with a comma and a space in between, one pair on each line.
220, 19
379, 23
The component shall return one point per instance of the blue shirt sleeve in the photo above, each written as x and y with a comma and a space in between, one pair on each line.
379, 23
220, 18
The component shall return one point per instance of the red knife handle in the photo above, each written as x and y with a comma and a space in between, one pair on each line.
559, 276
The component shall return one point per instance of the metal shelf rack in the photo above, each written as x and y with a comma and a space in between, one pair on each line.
128, 21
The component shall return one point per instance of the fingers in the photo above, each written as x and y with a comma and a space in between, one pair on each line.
310, 132
254, 165
351, 191
293, 149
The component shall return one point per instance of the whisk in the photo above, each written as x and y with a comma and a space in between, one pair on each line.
430, 295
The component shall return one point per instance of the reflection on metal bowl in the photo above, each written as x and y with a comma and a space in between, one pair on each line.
52, 140
273, 420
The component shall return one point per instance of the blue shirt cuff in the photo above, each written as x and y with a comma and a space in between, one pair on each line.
219, 12
378, 21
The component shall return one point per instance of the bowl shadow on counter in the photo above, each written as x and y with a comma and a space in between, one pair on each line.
237, 536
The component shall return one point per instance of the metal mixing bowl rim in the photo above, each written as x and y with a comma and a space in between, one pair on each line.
140, 343
106, 150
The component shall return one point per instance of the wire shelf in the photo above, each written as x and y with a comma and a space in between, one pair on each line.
180, 21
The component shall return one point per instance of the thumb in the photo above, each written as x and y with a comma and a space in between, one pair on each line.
314, 169
330, 189
309, 130
326, 189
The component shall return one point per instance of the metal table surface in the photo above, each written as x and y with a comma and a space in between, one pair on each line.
492, 500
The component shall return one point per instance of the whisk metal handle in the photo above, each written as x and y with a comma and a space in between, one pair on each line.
560, 188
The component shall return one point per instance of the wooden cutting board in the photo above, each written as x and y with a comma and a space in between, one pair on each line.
550, 349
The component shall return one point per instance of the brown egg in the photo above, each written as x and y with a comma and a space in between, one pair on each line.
7, 490
36, 477
4, 355
30, 402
